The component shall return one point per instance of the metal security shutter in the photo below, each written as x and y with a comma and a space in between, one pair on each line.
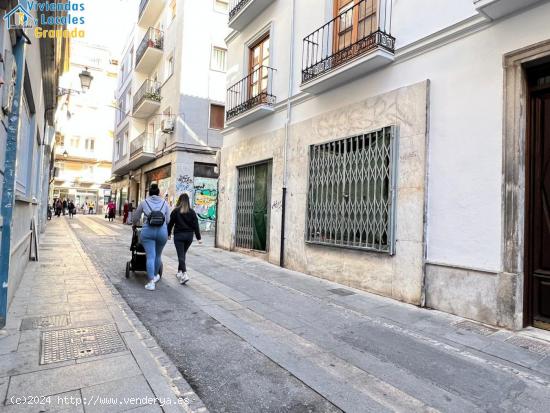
245, 207
351, 192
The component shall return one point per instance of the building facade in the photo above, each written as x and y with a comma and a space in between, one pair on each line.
394, 156
29, 70
171, 94
85, 136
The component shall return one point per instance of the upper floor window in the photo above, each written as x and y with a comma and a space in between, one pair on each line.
90, 144
218, 60
169, 67
217, 114
259, 57
221, 5
75, 143
355, 20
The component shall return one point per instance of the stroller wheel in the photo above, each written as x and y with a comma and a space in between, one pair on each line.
128, 269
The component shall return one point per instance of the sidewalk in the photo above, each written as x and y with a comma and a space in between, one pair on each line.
72, 344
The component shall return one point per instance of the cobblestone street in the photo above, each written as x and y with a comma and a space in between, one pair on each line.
249, 337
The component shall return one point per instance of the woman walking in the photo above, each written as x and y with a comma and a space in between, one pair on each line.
154, 233
111, 208
184, 222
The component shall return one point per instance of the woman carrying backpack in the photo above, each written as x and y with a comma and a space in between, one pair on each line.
184, 222
154, 233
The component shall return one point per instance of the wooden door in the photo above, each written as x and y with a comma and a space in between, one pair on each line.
354, 20
259, 62
538, 199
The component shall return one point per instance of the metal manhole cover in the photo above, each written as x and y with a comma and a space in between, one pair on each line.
34, 323
341, 291
535, 346
475, 328
76, 343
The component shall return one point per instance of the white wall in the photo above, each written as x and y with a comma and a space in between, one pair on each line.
464, 223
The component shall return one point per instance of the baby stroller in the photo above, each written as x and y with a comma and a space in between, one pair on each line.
138, 261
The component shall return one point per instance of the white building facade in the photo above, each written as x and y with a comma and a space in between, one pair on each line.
384, 145
85, 133
171, 96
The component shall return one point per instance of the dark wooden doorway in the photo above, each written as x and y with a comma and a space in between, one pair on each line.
537, 258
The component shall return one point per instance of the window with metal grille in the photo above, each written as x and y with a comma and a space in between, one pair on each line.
351, 194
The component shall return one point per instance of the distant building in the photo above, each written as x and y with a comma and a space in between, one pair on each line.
171, 95
84, 140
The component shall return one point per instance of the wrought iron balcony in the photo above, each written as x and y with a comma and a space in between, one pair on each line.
242, 12
149, 12
142, 150
147, 99
250, 98
353, 43
150, 50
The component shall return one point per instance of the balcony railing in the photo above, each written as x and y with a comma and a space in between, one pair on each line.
254, 90
149, 90
153, 38
353, 33
144, 143
235, 6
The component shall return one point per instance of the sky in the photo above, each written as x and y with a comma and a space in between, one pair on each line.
108, 22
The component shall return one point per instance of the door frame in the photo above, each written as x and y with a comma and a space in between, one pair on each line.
514, 305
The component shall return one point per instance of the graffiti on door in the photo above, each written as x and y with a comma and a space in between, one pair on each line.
205, 197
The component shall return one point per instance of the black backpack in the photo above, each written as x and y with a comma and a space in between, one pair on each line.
155, 218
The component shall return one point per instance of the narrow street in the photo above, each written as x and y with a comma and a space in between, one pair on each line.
250, 337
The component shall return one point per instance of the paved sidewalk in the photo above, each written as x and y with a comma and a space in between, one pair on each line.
72, 344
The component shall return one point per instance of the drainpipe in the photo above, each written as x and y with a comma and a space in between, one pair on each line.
287, 133
8, 195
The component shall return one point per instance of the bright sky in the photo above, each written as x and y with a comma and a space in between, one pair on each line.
108, 22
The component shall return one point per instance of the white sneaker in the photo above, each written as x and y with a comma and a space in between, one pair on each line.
184, 278
156, 279
150, 286
179, 276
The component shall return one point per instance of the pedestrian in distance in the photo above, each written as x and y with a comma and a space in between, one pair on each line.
111, 210
154, 233
91, 208
125, 211
130, 212
64, 206
58, 208
72, 209
184, 222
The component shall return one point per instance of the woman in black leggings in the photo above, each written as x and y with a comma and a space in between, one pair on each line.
184, 222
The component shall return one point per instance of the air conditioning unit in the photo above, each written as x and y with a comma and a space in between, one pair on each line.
167, 125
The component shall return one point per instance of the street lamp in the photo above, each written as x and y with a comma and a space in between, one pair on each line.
65, 154
85, 83
85, 80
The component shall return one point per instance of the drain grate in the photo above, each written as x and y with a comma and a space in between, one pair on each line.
51, 321
76, 343
534, 346
341, 291
475, 328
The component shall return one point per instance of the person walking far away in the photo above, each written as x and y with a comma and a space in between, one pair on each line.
130, 211
91, 210
64, 207
154, 233
58, 208
111, 210
184, 222
72, 208
125, 212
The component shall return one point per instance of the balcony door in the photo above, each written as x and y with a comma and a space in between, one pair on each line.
258, 72
353, 21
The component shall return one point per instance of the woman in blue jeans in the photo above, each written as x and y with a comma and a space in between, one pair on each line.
154, 233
